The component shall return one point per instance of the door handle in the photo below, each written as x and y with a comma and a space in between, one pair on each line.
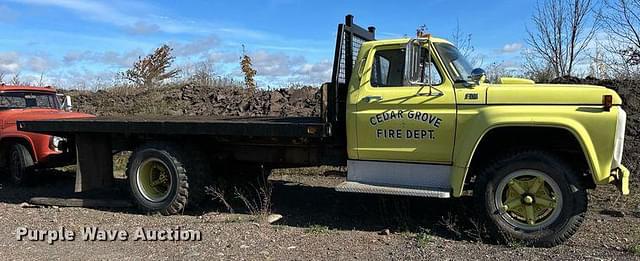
372, 98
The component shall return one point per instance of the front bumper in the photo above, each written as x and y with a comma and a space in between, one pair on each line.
621, 179
55, 160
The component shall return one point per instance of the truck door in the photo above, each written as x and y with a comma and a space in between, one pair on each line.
403, 123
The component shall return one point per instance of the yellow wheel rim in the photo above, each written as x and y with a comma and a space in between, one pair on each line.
154, 180
528, 199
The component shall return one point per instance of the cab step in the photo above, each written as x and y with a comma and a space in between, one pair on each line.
357, 187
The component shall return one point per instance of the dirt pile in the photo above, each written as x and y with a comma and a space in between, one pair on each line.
194, 100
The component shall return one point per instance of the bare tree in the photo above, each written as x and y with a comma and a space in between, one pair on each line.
2, 75
203, 73
152, 69
41, 80
621, 20
535, 68
562, 31
15, 80
247, 69
463, 42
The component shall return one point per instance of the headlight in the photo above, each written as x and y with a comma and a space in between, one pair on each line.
619, 141
58, 143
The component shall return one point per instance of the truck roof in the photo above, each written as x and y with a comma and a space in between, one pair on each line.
4, 87
405, 40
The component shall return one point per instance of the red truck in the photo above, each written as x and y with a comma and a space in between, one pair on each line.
21, 153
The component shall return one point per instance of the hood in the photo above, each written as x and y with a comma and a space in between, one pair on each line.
11, 116
562, 94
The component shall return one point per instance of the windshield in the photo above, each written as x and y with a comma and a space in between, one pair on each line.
21, 100
456, 64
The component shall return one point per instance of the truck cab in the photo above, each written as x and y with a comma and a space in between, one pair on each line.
420, 121
24, 152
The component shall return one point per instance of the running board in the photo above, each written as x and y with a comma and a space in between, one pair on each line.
356, 187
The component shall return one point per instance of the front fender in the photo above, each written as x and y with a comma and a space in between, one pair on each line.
592, 127
25, 138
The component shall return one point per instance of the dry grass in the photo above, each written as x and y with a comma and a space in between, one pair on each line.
317, 229
253, 195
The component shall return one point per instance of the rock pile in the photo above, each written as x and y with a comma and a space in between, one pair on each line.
194, 100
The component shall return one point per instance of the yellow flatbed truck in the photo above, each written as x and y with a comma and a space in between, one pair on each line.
408, 117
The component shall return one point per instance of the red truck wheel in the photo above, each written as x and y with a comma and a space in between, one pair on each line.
165, 178
20, 164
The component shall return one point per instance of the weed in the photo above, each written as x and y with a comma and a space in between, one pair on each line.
253, 194
406, 234
256, 196
477, 231
278, 227
450, 222
635, 249
234, 219
317, 229
424, 237
218, 194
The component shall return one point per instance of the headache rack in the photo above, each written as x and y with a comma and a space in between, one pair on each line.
350, 38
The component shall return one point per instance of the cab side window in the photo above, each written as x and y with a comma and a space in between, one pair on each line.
388, 68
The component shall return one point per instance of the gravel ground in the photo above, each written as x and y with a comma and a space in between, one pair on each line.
318, 224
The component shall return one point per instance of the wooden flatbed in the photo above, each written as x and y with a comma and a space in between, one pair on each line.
309, 127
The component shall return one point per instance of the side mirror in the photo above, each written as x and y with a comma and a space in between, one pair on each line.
66, 103
415, 64
478, 75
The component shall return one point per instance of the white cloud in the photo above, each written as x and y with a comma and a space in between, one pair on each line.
109, 58
142, 18
9, 62
87, 8
511, 48
314, 72
39, 63
142, 28
275, 64
198, 46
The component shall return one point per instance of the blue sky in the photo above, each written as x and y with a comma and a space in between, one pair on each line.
86, 42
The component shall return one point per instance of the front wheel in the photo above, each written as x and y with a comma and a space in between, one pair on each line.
531, 197
20, 164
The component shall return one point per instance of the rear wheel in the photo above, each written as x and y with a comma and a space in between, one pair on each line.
164, 178
531, 197
20, 164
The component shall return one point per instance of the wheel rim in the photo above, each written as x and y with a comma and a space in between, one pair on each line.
528, 199
154, 180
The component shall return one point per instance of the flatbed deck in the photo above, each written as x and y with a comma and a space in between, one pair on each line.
311, 127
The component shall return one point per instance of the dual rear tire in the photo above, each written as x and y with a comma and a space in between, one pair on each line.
166, 178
